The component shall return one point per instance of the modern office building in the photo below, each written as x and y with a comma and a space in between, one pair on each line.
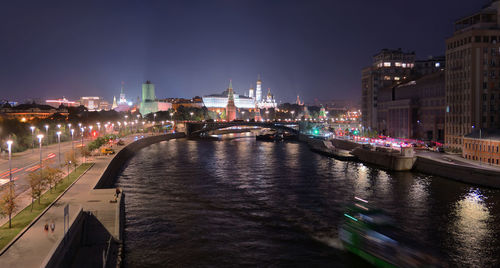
473, 75
388, 67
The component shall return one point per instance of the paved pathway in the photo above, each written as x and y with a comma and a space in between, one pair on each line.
33, 247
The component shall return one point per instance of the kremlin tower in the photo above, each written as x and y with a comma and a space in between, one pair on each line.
258, 90
230, 108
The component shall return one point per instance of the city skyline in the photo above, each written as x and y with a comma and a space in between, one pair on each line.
190, 50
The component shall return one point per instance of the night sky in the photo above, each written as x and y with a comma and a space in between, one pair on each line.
312, 48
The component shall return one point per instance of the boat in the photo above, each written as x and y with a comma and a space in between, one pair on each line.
326, 147
387, 158
266, 137
370, 234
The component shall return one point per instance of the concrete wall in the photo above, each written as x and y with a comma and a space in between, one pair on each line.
62, 255
465, 174
109, 176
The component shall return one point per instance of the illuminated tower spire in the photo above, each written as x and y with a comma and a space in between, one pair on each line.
251, 92
258, 92
122, 95
230, 108
114, 103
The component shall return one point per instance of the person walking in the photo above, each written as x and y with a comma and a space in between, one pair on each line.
52, 226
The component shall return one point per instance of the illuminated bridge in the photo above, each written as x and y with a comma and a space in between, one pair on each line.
196, 128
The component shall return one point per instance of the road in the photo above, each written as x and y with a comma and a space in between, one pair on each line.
29, 161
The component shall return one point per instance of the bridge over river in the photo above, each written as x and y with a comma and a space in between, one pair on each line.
197, 128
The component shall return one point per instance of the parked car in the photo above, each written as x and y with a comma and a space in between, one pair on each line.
107, 151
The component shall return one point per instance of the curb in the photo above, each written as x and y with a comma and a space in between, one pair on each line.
3, 250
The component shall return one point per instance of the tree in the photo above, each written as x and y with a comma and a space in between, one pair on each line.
8, 202
52, 176
84, 151
37, 185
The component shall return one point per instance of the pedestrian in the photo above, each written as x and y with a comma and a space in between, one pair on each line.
46, 227
52, 226
117, 192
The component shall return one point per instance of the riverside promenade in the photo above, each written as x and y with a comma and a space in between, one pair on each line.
36, 247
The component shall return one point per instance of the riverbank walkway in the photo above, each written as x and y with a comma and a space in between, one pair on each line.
35, 246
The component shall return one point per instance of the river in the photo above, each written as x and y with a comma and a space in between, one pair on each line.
241, 202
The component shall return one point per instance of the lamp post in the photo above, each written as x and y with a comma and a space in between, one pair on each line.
292, 112
47, 133
72, 143
58, 133
33, 137
82, 144
40, 138
191, 113
9, 147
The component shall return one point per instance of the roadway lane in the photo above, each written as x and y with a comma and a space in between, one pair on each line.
29, 161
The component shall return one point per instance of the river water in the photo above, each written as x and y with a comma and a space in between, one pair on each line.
241, 202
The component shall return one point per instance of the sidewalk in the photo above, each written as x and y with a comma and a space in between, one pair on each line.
458, 160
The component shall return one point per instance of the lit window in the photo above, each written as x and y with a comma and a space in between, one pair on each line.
387, 77
403, 65
397, 64
387, 64
396, 78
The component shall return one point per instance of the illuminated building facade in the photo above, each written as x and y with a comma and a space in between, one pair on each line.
58, 102
473, 75
94, 103
30, 112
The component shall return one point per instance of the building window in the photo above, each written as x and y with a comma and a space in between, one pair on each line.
397, 64
387, 64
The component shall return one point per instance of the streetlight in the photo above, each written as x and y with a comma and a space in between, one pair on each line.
72, 143
47, 133
58, 133
191, 113
9, 147
33, 137
40, 138
292, 112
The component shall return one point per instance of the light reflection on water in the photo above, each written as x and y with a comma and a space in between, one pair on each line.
470, 229
240, 202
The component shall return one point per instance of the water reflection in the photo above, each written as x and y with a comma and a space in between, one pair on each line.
470, 229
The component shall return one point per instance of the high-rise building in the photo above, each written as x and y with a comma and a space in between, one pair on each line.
230, 108
258, 90
388, 67
473, 75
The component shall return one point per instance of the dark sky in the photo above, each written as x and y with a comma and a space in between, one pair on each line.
315, 48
